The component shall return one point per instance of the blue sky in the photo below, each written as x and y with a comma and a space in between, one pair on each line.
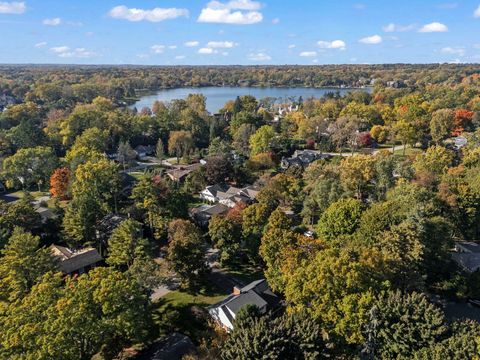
202, 32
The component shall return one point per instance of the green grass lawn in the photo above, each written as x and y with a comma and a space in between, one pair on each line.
245, 273
186, 312
409, 151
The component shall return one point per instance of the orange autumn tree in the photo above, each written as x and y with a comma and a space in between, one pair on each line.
59, 183
462, 121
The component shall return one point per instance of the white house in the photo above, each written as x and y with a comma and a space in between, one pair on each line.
256, 293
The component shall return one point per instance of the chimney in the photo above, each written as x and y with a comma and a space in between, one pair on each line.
236, 290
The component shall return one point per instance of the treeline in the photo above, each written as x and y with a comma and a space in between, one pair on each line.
69, 84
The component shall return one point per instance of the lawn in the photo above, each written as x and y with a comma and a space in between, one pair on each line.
409, 151
245, 273
186, 312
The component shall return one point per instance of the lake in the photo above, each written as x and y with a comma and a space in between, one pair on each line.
218, 96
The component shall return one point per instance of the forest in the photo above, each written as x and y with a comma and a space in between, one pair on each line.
358, 239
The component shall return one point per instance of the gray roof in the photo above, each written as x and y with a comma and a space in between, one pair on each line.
468, 246
171, 347
468, 261
248, 298
256, 293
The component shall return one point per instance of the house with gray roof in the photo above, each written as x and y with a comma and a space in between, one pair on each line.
229, 195
256, 293
75, 261
467, 256
303, 158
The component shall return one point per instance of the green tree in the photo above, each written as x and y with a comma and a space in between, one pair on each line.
405, 133
125, 154
23, 264
226, 235
295, 336
340, 218
441, 124
126, 244
261, 141
180, 143
94, 194
277, 237
459, 345
401, 324
185, 252
337, 286
30, 166
102, 311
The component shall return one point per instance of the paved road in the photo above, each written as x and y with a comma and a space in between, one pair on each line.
374, 152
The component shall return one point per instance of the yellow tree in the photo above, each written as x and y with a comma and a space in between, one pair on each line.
356, 172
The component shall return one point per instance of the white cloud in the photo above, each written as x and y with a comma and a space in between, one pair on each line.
476, 13
180, 57
276, 21
335, 44
66, 52
433, 27
172, 47
398, 28
158, 49
153, 15
315, 61
292, 46
14, 7
460, 51
52, 22
308, 53
191, 43
259, 56
371, 40
40, 44
238, 12
221, 44
206, 51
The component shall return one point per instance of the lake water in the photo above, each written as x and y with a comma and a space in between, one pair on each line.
218, 96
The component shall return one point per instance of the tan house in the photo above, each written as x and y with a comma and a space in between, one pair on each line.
76, 262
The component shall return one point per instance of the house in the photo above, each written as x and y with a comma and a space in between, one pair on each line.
203, 213
75, 261
229, 195
179, 173
256, 293
467, 256
303, 158
174, 346
144, 150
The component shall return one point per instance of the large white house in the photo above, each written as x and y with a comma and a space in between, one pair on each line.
228, 195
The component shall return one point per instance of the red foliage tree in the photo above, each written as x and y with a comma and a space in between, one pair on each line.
310, 144
462, 121
59, 183
364, 139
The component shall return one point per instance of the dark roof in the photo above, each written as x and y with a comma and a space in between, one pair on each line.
256, 293
468, 261
71, 261
246, 298
171, 347
468, 246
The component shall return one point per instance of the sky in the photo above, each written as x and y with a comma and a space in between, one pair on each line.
244, 32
